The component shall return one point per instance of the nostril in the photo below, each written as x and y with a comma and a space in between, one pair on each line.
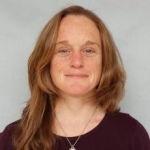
77, 60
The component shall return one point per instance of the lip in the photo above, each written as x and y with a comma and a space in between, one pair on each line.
77, 75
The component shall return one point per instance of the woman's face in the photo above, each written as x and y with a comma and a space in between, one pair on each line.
77, 60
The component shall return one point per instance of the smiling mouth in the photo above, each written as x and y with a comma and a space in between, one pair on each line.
77, 75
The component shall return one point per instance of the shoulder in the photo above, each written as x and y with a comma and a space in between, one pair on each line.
122, 117
6, 136
131, 129
125, 121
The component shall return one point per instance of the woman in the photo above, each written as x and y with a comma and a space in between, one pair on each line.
76, 79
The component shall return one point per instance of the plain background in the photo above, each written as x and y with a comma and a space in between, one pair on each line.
21, 22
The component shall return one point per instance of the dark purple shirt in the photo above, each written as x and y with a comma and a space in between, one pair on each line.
115, 132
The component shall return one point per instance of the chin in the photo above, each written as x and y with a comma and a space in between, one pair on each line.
78, 93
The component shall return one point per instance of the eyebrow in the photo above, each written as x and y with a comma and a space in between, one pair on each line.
86, 43
92, 43
62, 42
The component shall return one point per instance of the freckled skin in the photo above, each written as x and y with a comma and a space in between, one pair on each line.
77, 61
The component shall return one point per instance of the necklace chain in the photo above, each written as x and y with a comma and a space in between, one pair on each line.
73, 145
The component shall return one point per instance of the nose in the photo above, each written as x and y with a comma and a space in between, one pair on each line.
77, 60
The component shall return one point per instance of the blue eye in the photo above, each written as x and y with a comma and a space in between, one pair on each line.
89, 52
63, 52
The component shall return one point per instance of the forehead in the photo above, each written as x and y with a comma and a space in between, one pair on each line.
76, 19
78, 26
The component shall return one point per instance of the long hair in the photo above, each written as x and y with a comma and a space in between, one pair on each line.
34, 130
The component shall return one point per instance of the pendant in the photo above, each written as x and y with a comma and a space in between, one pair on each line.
72, 148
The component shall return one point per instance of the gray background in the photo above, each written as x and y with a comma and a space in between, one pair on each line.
20, 24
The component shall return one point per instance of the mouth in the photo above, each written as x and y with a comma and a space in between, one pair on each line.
77, 75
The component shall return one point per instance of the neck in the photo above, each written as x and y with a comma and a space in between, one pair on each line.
74, 106
74, 113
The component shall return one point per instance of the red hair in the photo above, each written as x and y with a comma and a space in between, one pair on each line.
34, 131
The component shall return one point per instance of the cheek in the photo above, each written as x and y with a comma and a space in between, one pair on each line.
55, 65
95, 63
56, 70
97, 68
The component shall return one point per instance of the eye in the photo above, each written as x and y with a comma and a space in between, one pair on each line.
63, 52
89, 52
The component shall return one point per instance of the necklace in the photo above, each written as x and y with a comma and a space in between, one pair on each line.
73, 145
